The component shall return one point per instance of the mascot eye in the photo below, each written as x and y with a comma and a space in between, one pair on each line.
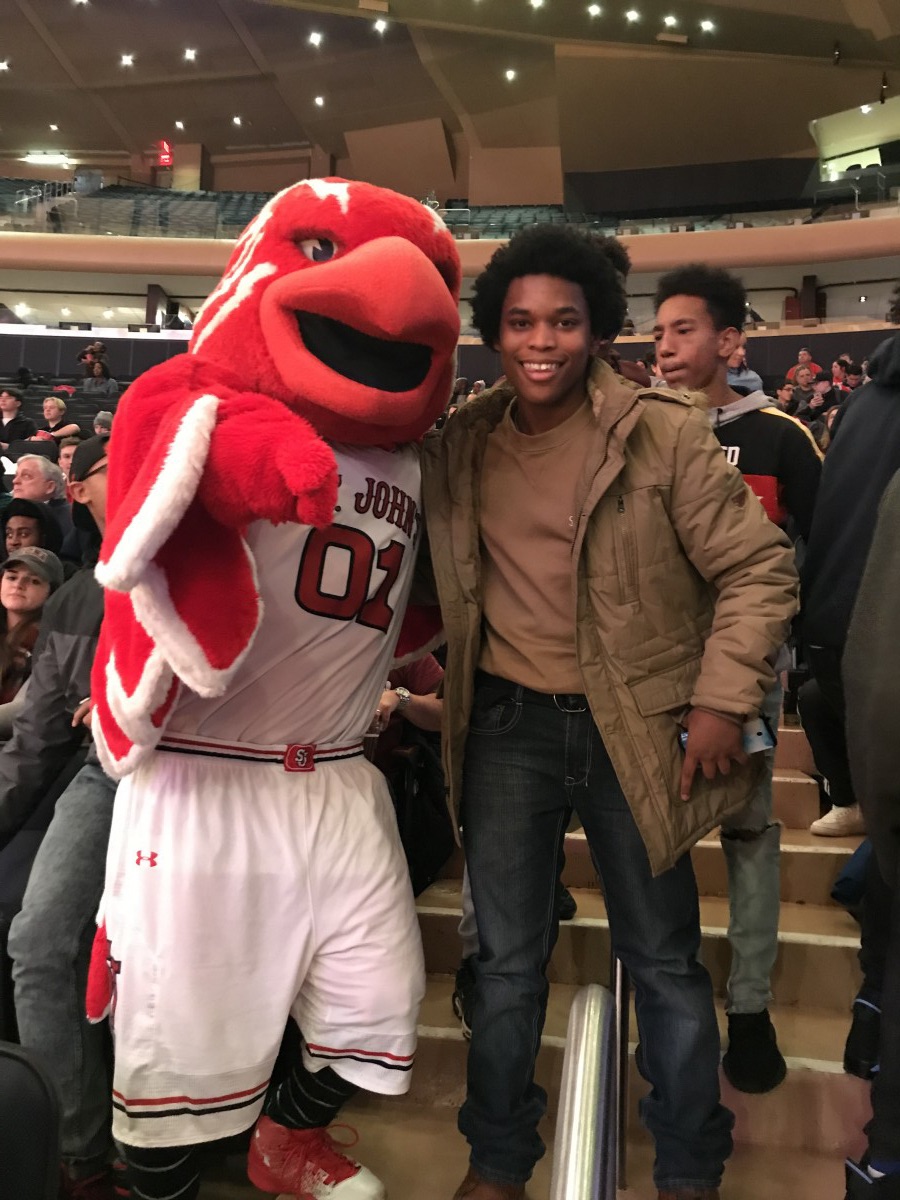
318, 249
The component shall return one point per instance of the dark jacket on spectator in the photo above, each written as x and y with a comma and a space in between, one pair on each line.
871, 669
17, 429
43, 739
859, 465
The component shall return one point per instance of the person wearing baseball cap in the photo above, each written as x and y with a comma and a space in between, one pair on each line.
27, 579
87, 484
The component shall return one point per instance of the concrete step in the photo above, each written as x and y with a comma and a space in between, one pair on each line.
816, 1108
817, 953
793, 751
809, 865
795, 798
419, 1155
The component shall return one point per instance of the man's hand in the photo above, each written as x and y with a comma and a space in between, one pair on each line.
82, 714
387, 706
713, 744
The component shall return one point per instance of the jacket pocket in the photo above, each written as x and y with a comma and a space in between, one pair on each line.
493, 713
666, 691
626, 551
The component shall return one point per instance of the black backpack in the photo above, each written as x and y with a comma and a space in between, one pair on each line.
416, 780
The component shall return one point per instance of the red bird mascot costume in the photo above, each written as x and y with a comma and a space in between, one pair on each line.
264, 520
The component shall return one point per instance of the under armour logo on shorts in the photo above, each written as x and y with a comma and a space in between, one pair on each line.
300, 758
146, 858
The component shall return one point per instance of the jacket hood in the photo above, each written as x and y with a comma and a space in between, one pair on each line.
730, 412
884, 365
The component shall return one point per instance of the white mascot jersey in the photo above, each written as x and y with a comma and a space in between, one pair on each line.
333, 602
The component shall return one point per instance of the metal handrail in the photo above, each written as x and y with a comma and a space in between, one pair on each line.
585, 1156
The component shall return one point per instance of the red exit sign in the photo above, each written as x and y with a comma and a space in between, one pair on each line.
165, 155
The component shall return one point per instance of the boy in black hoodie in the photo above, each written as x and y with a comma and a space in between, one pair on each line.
700, 313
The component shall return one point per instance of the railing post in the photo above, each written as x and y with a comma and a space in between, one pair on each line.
622, 995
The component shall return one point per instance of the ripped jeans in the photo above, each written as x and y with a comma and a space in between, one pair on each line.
752, 845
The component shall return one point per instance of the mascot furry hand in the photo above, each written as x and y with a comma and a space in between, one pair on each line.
335, 323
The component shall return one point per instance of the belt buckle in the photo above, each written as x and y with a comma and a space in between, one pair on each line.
300, 758
566, 697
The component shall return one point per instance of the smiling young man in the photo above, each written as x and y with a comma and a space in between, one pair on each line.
604, 573
700, 313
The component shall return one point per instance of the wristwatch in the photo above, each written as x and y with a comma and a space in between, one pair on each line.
404, 697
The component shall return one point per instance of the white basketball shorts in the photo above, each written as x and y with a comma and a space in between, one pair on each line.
239, 893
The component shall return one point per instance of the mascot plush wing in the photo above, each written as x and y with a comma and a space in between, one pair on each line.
336, 321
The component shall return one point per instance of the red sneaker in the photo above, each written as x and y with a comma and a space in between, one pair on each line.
95, 1187
307, 1164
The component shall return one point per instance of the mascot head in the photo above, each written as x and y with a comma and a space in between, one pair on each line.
341, 300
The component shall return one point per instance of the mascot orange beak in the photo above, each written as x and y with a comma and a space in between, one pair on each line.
374, 330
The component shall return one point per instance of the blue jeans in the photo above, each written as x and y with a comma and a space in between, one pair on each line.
751, 841
529, 760
50, 944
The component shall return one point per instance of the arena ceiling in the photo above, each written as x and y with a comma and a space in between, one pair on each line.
602, 88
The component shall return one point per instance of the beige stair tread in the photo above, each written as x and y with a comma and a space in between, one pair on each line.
799, 840
807, 923
808, 1038
420, 1155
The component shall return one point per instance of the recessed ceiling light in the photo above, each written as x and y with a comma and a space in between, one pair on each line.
179, 125
866, 109
380, 26
4, 64
594, 10
320, 101
315, 38
632, 15
670, 22
537, 3
707, 26
190, 55
65, 312
107, 313
79, 1
510, 75
127, 60
863, 299
54, 128
21, 310
236, 121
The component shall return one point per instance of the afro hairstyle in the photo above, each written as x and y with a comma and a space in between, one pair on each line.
585, 259
723, 294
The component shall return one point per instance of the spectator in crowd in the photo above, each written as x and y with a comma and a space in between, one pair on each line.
15, 427
540, 488
804, 359
741, 378
50, 939
804, 391
99, 384
477, 388
29, 576
67, 448
42, 481
860, 463
103, 423
700, 311
824, 396
854, 377
25, 523
871, 673
784, 395
54, 419
92, 352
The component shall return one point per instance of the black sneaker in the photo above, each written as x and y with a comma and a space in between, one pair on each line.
861, 1186
753, 1063
566, 908
464, 995
861, 1050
